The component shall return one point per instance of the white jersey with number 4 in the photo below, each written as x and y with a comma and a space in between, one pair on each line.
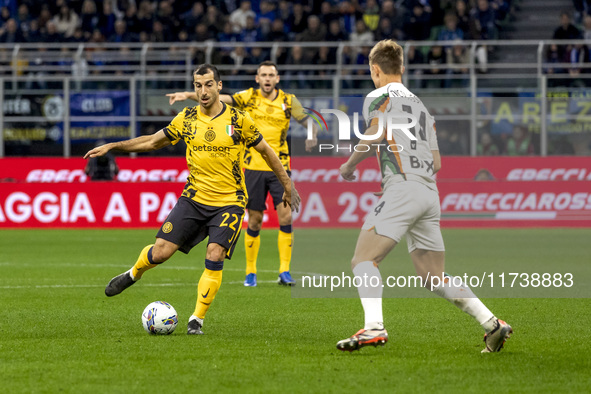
404, 158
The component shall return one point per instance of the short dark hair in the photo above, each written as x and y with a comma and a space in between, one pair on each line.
206, 68
267, 63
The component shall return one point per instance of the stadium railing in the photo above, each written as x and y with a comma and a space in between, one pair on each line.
149, 70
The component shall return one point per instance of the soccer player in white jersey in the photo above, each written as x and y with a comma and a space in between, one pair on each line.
408, 206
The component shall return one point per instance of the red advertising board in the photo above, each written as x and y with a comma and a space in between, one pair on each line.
58, 170
96, 204
557, 168
474, 192
518, 192
464, 204
91, 204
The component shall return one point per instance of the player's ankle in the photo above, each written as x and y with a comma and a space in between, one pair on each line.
374, 326
489, 325
135, 279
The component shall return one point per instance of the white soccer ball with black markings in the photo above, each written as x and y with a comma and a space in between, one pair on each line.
159, 318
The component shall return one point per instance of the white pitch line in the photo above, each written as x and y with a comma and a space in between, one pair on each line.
170, 267
62, 286
241, 282
101, 286
81, 286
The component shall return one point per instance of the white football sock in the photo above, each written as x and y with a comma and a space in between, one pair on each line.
371, 297
489, 325
457, 292
199, 320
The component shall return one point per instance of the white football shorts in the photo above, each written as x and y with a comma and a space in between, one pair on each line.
408, 208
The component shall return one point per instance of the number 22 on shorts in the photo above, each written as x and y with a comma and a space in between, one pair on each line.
232, 224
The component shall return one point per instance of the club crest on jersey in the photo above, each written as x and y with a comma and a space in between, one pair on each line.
230, 130
209, 135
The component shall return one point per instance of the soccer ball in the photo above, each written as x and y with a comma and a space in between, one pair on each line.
159, 318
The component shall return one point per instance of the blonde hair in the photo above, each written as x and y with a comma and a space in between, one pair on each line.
388, 55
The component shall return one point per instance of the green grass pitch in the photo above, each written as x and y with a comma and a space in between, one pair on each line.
59, 333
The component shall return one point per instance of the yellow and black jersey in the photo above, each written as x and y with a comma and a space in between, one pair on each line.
272, 119
215, 150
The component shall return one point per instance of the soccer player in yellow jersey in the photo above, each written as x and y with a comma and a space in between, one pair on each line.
215, 195
272, 110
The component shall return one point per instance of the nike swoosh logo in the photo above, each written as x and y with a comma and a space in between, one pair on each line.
206, 294
250, 245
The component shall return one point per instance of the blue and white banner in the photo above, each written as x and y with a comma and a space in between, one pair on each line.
95, 105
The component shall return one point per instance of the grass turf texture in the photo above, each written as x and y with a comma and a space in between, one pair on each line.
59, 332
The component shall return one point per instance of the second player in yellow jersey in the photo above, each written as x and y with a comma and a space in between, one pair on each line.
272, 116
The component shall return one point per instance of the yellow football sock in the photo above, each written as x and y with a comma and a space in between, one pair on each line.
142, 264
252, 244
284, 242
209, 284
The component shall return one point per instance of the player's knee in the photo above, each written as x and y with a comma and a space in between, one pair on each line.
215, 252
283, 215
285, 220
160, 254
255, 220
162, 250
354, 261
255, 226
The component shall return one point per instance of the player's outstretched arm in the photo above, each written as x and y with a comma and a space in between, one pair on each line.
181, 96
290, 196
145, 143
348, 169
226, 98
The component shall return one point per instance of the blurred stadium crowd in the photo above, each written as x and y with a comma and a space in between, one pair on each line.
357, 22
246, 21
569, 29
